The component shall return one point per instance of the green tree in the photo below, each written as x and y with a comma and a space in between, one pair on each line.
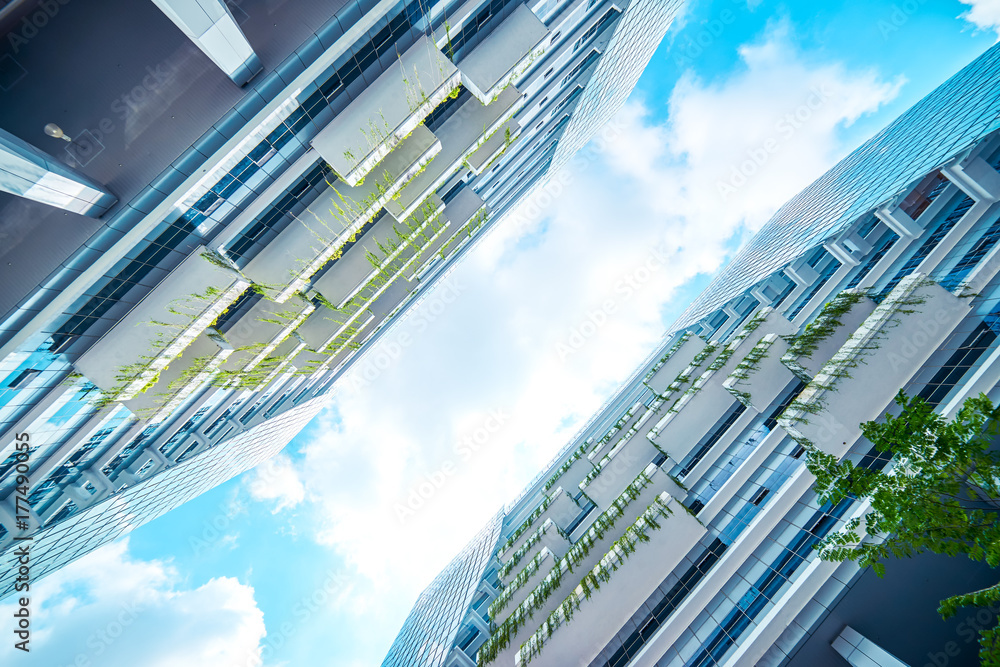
942, 494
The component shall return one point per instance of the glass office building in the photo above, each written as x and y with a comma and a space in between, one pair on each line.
677, 528
232, 203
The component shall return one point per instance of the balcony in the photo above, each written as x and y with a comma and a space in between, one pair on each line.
494, 147
461, 135
130, 356
188, 373
621, 465
387, 111
572, 472
698, 408
578, 629
333, 327
285, 265
549, 537
760, 377
506, 54
257, 333
386, 241
862, 378
515, 591
827, 333
622, 429
609, 529
678, 358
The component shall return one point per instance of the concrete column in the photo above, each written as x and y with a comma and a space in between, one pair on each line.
28, 172
210, 25
802, 274
859, 651
976, 178
899, 222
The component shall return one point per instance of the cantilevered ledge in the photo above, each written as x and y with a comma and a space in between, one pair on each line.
212, 28
27, 172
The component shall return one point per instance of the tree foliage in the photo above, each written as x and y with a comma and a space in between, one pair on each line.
941, 494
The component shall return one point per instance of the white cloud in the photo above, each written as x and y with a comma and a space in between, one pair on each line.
554, 310
110, 609
984, 14
277, 480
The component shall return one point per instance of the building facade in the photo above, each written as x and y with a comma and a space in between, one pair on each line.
677, 528
193, 261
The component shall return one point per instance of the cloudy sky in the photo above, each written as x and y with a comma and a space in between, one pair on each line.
317, 556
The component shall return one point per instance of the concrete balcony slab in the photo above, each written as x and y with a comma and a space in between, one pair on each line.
158, 328
760, 377
585, 554
186, 374
285, 265
494, 147
257, 332
548, 536
387, 111
692, 415
827, 333
506, 54
577, 630
462, 134
680, 355
878, 359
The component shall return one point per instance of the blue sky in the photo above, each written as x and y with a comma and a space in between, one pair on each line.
316, 557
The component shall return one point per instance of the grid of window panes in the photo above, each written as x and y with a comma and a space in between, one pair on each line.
957, 115
429, 631
637, 35
59, 543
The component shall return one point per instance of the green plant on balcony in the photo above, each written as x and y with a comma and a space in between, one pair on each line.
563, 468
666, 357
526, 524
519, 555
636, 534
530, 569
580, 550
747, 367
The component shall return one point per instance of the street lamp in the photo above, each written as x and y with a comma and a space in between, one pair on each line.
54, 130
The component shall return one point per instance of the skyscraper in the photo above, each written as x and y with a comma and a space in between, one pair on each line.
677, 528
230, 204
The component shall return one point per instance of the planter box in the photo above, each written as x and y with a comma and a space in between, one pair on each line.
619, 468
878, 359
387, 111
199, 362
522, 584
135, 337
586, 552
265, 323
696, 412
495, 146
760, 377
622, 428
548, 536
